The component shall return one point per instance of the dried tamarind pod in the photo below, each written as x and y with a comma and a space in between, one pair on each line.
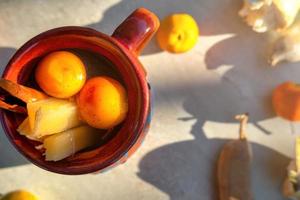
234, 167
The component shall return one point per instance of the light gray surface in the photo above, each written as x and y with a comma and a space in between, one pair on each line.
196, 96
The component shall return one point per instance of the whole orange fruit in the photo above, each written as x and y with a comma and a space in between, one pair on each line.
286, 101
61, 74
177, 33
19, 195
102, 102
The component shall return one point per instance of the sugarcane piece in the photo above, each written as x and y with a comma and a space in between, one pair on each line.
51, 115
67, 143
234, 166
24, 129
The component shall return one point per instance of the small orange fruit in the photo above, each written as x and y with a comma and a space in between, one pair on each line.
19, 195
286, 101
61, 74
178, 33
102, 102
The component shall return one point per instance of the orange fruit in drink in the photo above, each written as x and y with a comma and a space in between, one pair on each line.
61, 74
177, 33
102, 102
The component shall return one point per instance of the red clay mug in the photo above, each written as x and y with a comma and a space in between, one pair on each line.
122, 49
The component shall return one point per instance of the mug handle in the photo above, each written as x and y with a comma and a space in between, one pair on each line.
137, 30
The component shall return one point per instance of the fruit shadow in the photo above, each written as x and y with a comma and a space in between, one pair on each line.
9, 156
187, 169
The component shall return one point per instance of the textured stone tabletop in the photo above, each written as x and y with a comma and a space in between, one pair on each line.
196, 97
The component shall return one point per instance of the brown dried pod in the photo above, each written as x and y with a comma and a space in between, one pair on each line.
234, 167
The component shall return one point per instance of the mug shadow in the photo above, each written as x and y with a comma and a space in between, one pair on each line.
208, 21
8, 154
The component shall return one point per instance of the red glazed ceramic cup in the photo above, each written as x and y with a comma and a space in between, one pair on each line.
122, 49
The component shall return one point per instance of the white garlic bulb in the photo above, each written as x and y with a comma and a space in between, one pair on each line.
265, 15
287, 47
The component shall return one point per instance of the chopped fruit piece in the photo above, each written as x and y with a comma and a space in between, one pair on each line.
61, 74
102, 102
67, 143
51, 116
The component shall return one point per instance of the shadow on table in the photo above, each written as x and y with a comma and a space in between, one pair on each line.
8, 154
206, 14
186, 170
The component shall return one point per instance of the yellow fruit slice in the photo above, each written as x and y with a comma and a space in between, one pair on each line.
19, 195
51, 116
64, 144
